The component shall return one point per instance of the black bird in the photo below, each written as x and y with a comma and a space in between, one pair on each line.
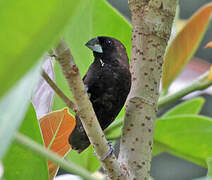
107, 82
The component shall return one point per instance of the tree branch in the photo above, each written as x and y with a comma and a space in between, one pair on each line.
152, 22
59, 92
86, 112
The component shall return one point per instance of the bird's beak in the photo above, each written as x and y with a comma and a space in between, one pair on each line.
94, 45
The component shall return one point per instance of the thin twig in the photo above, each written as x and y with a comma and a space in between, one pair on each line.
42, 151
59, 92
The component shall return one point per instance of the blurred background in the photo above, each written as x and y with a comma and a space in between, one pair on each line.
166, 166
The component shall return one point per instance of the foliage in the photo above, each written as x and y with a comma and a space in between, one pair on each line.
180, 131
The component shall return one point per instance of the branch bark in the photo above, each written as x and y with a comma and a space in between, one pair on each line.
152, 21
86, 112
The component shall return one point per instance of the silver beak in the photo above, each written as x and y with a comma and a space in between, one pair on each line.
94, 45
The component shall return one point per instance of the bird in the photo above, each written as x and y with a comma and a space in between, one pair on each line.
107, 82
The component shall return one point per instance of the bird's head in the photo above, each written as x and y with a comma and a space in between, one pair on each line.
108, 49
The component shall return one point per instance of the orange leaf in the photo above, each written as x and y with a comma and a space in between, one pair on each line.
56, 128
209, 45
185, 44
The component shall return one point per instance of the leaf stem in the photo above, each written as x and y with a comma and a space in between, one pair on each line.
209, 163
42, 151
199, 84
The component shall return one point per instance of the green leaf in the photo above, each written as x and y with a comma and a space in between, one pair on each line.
192, 106
184, 45
87, 159
115, 129
187, 136
28, 29
158, 148
14, 106
92, 23
21, 163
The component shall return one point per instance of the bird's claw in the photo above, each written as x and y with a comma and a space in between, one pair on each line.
109, 152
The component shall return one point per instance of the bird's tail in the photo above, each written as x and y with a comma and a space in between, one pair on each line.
78, 139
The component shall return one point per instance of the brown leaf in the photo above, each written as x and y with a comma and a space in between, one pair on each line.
185, 44
56, 128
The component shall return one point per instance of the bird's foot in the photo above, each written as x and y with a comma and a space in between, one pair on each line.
109, 153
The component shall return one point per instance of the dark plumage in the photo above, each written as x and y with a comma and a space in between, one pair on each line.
108, 83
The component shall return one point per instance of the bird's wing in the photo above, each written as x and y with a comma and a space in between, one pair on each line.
91, 81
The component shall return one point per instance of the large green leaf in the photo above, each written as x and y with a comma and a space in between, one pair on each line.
14, 106
21, 163
192, 106
186, 136
28, 28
